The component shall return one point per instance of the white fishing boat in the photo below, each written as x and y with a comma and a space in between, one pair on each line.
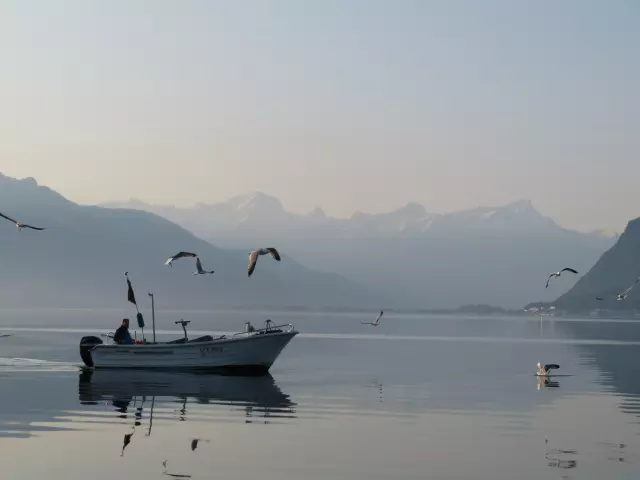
249, 352
252, 351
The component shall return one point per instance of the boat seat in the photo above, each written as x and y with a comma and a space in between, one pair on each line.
206, 338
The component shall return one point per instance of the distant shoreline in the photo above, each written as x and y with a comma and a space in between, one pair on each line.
480, 311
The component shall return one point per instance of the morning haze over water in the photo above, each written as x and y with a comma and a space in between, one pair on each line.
425, 199
431, 397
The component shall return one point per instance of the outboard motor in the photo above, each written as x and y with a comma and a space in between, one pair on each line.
86, 344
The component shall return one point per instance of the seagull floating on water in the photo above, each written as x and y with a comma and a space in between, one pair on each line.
199, 269
374, 323
19, 225
557, 274
253, 257
543, 370
625, 294
180, 255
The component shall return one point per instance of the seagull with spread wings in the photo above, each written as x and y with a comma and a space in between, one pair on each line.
178, 255
199, 269
19, 225
625, 294
374, 323
557, 274
253, 257
543, 370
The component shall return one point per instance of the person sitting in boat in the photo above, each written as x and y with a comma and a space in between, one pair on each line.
122, 335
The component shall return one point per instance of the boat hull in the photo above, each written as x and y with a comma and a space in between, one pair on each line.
244, 354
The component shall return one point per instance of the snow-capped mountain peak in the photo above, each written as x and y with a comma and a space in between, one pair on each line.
256, 202
266, 212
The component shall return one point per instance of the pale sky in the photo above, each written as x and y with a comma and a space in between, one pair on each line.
347, 104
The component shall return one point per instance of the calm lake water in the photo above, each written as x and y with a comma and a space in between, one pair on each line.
417, 397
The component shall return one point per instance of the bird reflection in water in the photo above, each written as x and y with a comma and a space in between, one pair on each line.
174, 475
137, 422
560, 463
375, 383
379, 385
127, 440
195, 441
617, 452
257, 396
555, 461
122, 406
544, 382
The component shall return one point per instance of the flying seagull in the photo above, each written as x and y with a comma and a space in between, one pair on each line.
376, 322
599, 298
253, 257
179, 255
557, 274
624, 294
543, 370
19, 225
199, 269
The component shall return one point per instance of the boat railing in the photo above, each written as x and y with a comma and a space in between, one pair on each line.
286, 327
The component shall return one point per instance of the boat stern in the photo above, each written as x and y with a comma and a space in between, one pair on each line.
86, 345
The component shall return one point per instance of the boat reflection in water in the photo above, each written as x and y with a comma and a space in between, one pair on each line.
122, 387
135, 393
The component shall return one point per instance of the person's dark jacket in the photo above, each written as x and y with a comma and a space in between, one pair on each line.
122, 336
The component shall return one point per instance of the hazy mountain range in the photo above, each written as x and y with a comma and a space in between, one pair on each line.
495, 255
264, 214
80, 259
614, 272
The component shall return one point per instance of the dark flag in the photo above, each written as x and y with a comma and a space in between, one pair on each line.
130, 295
